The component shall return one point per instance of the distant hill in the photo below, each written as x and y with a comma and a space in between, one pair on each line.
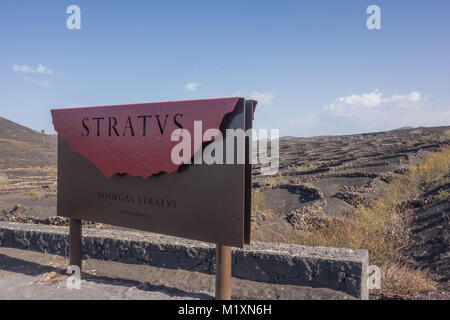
403, 128
22, 147
14, 131
342, 172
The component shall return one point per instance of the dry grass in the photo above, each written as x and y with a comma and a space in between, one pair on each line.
275, 232
258, 202
405, 280
52, 278
443, 195
305, 168
435, 137
3, 179
32, 194
276, 179
381, 227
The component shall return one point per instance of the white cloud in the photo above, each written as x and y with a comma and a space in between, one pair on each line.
191, 86
27, 69
23, 68
41, 83
373, 103
44, 70
370, 112
374, 112
263, 98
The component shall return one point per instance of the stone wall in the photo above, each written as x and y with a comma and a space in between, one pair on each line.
334, 268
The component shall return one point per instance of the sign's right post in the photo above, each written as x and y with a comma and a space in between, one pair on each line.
223, 272
223, 253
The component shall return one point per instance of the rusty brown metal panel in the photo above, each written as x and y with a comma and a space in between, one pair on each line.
200, 202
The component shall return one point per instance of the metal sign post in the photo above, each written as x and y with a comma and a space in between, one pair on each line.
75, 242
223, 272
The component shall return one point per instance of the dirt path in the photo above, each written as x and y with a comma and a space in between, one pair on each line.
33, 275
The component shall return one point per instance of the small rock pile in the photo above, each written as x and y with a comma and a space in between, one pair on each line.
16, 214
308, 217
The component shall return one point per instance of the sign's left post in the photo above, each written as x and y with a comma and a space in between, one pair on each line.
75, 242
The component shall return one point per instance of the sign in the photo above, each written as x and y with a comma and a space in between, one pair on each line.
120, 165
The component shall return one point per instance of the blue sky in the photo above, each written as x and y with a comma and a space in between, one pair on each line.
314, 66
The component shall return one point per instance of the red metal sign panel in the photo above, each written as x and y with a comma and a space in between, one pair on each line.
136, 139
